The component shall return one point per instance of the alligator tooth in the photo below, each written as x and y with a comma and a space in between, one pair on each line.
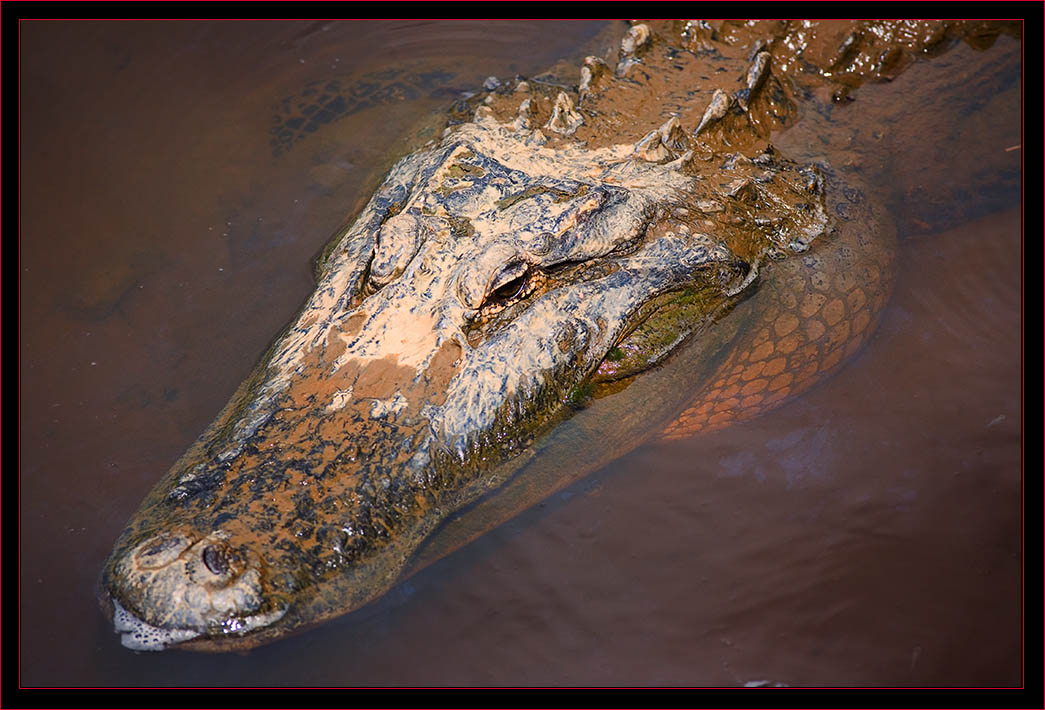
720, 102
565, 119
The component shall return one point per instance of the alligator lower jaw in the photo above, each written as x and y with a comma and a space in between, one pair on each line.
139, 635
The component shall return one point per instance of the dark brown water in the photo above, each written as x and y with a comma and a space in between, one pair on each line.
866, 534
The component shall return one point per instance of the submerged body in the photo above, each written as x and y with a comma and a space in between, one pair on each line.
491, 282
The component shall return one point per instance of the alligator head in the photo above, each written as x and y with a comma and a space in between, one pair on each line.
490, 279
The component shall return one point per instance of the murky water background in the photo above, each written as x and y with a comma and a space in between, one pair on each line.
866, 534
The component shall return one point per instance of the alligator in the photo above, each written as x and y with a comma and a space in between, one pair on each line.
561, 244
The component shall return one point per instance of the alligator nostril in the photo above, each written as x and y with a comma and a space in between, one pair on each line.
215, 560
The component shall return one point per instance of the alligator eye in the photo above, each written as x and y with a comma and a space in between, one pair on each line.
511, 289
510, 285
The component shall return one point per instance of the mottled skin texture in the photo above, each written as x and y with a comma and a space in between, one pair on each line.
558, 242
813, 314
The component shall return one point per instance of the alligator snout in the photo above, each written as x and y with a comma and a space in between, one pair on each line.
176, 586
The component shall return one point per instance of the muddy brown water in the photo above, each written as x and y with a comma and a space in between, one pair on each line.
868, 533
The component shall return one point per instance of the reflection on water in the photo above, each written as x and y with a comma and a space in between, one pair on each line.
868, 533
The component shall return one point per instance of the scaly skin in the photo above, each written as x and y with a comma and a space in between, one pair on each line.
550, 246
811, 315
808, 317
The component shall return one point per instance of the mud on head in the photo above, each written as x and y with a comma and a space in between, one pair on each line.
486, 280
